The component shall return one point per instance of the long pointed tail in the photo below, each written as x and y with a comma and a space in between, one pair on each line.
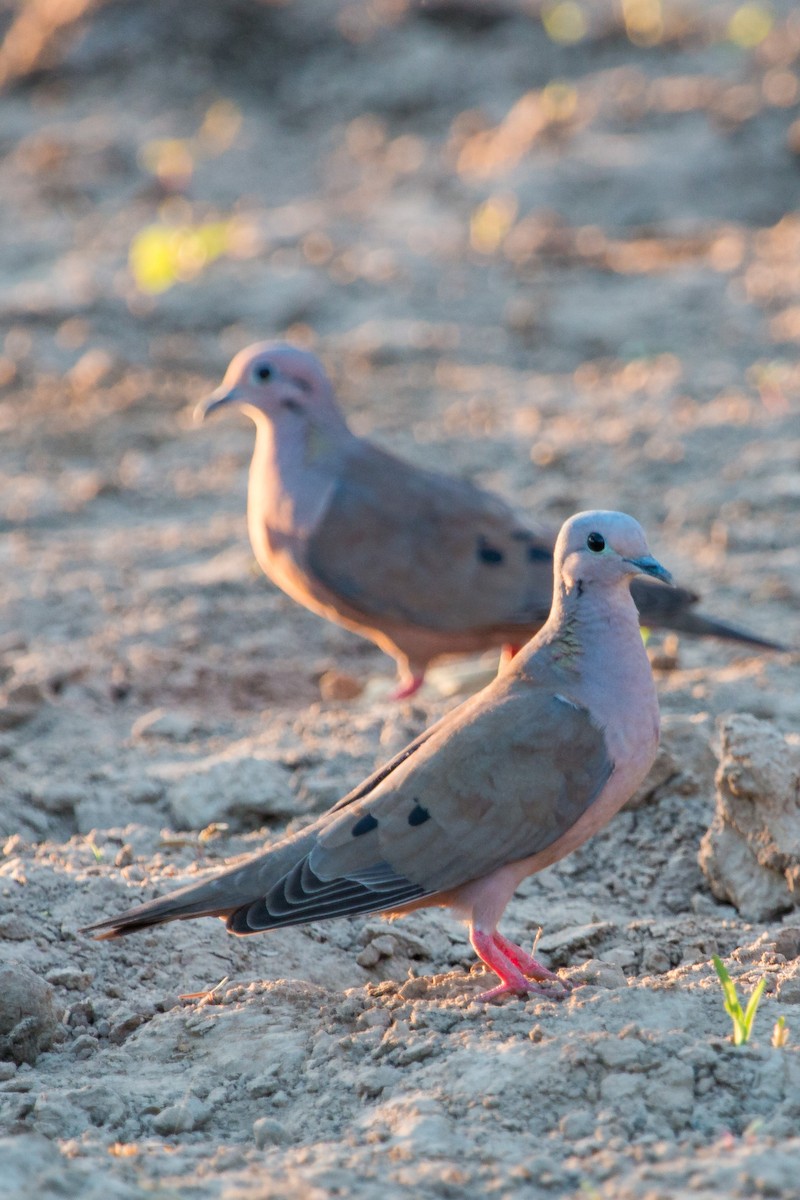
217, 896
662, 607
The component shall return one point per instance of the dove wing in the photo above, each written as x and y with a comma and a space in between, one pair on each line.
415, 546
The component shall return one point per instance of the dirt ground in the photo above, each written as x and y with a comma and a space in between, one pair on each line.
566, 269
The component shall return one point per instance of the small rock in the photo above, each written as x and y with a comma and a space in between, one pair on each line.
143, 791
14, 715
124, 856
619, 1087
789, 987
124, 1026
655, 960
369, 956
238, 786
751, 853
185, 1117
336, 685
27, 694
69, 978
16, 927
735, 875
372, 1083
172, 726
787, 942
84, 1046
561, 947
59, 796
598, 974
620, 956
577, 1124
263, 1085
27, 1017
91, 369
268, 1132
385, 944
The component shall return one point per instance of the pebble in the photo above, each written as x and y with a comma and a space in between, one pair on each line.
268, 1132
69, 978
787, 942
172, 726
789, 988
232, 787
336, 685
598, 974
59, 796
655, 961
185, 1117
27, 1016
562, 946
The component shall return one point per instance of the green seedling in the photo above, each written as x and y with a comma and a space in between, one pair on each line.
780, 1034
742, 1018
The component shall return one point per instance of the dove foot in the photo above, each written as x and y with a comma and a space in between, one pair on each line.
529, 966
509, 650
511, 964
409, 688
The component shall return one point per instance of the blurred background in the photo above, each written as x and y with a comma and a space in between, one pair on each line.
551, 246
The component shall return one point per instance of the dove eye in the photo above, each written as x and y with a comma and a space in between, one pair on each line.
263, 373
596, 542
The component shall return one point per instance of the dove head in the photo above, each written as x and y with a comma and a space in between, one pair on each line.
281, 383
603, 548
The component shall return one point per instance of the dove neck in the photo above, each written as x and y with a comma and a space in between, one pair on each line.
295, 464
591, 620
589, 603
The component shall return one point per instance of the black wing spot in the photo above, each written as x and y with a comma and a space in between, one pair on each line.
538, 554
489, 554
418, 814
365, 825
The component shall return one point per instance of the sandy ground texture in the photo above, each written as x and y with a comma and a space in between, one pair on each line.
567, 271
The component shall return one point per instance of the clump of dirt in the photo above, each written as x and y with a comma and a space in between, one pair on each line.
563, 265
751, 853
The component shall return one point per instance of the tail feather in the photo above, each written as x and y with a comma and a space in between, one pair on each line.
218, 896
158, 912
662, 607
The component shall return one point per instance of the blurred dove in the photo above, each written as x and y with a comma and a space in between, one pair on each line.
507, 783
419, 562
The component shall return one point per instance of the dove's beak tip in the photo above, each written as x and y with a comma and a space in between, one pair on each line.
210, 404
648, 565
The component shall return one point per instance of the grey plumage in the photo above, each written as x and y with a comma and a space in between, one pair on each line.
421, 563
508, 782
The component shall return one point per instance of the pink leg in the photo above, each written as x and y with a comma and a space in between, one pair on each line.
409, 687
512, 980
509, 651
527, 964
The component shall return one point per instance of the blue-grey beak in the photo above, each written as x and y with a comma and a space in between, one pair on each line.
217, 399
650, 566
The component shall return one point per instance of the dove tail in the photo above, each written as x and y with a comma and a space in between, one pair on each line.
702, 626
662, 607
155, 912
218, 896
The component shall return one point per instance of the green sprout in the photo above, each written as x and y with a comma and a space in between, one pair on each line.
780, 1034
742, 1018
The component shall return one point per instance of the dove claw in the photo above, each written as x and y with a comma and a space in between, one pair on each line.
531, 989
409, 688
519, 972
